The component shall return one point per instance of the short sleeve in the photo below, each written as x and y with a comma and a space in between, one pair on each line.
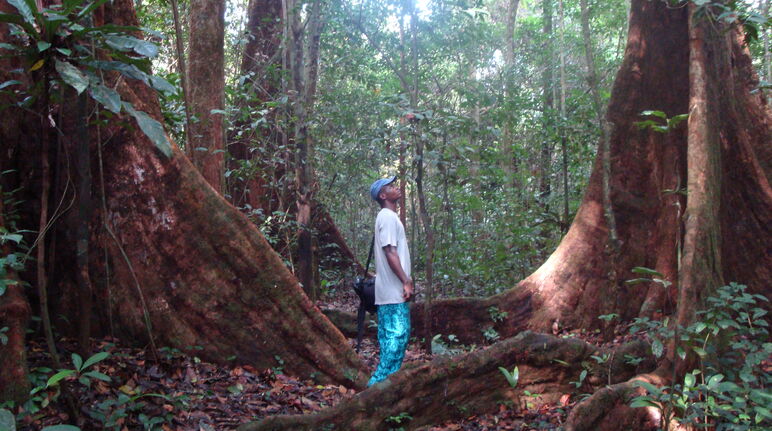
388, 231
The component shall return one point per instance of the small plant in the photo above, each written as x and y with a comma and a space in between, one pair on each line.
665, 125
729, 389
279, 368
496, 314
398, 420
491, 334
513, 377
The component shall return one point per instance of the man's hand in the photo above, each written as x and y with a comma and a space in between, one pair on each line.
408, 290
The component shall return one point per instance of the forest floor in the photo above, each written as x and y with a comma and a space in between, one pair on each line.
181, 392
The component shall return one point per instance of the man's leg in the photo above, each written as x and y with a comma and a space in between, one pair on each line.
393, 335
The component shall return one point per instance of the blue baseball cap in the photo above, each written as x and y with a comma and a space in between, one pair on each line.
375, 189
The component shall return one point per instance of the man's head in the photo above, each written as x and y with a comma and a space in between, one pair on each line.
384, 189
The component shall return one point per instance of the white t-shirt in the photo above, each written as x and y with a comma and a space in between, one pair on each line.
389, 231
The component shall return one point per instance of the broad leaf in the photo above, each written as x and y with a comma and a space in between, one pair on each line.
9, 83
77, 361
25, 10
7, 421
130, 43
659, 114
94, 359
61, 428
56, 378
71, 75
86, 11
162, 85
108, 97
657, 348
151, 128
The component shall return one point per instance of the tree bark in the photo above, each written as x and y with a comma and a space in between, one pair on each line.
573, 285
206, 79
193, 263
14, 315
455, 387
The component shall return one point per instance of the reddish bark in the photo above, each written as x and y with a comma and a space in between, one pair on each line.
180, 254
455, 387
206, 84
573, 286
14, 315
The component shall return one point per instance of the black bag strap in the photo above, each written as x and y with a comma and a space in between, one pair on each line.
369, 257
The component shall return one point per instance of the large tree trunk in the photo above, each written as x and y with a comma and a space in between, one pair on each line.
206, 83
675, 65
573, 285
188, 269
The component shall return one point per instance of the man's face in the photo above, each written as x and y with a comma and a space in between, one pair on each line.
390, 192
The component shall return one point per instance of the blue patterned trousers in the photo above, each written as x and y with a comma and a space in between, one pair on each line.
393, 335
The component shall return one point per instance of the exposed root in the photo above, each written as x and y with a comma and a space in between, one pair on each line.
453, 387
608, 408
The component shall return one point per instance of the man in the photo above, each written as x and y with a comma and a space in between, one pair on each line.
393, 285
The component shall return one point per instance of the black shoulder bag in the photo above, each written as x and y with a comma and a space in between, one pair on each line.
364, 287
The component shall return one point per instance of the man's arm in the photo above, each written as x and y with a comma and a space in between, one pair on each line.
396, 266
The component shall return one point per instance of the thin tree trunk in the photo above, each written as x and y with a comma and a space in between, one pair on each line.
548, 107
206, 79
184, 88
83, 166
563, 120
605, 131
508, 163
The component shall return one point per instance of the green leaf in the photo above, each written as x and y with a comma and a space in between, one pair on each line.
94, 359
61, 428
657, 348
152, 129
25, 10
90, 8
681, 352
643, 402
108, 97
56, 378
43, 45
162, 85
700, 351
659, 114
689, 380
128, 70
71, 75
65, 51
647, 271
77, 361
638, 280
97, 375
9, 83
130, 43
7, 421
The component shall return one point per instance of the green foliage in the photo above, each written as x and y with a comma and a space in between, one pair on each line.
398, 420
11, 239
728, 391
513, 377
61, 48
496, 314
490, 334
664, 124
